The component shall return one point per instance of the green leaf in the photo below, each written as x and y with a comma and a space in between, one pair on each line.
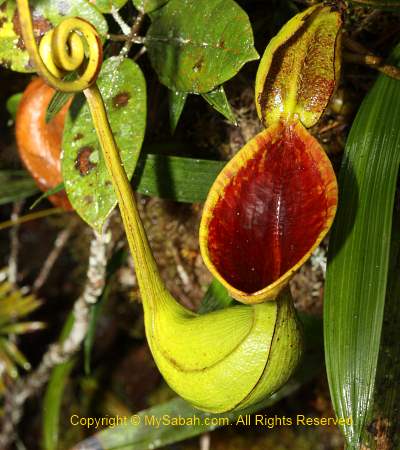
217, 99
56, 104
383, 426
105, 6
16, 185
197, 45
216, 297
85, 175
388, 5
54, 393
14, 353
177, 101
52, 191
149, 6
52, 403
359, 254
46, 15
13, 103
22, 327
176, 178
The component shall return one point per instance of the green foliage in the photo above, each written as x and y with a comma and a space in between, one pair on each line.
177, 102
105, 6
46, 194
56, 104
52, 401
188, 54
149, 6
86, 179
46, 14
12, 104
359, 254
384, 414
181, 179
15, 185
217, 99
14, 305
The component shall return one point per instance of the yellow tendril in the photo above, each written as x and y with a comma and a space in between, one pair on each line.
64, 49
71, 44
258, 346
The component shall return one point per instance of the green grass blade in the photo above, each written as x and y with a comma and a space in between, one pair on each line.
175, 178
359, 254
57, 102
54, 394
383, 427
215, 298
52, 191
15, 185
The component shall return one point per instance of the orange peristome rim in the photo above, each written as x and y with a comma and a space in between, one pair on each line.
279, 137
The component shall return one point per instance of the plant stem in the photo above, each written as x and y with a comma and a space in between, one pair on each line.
358, 54
29, 217
134, 37
149, 280
125, 28
59, 244
14, 244
375, 62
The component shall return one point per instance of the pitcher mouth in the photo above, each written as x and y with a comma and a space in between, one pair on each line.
267, 211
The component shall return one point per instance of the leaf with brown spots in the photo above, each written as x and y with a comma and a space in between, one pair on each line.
123, 88
46, 14
121, 99
83, 164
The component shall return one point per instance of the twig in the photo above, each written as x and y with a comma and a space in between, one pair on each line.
59, 244
141, 52
375, 62
125, 28
123, 38
205, 441
31, 216
361, 55
59, 352
14, 244
134, 34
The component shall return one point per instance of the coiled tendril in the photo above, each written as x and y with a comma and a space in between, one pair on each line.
258, 347
63, 50
72, 46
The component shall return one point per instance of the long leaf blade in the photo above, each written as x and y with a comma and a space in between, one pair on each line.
359, 254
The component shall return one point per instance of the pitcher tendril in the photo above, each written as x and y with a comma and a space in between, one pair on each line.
220, 361
63, 50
